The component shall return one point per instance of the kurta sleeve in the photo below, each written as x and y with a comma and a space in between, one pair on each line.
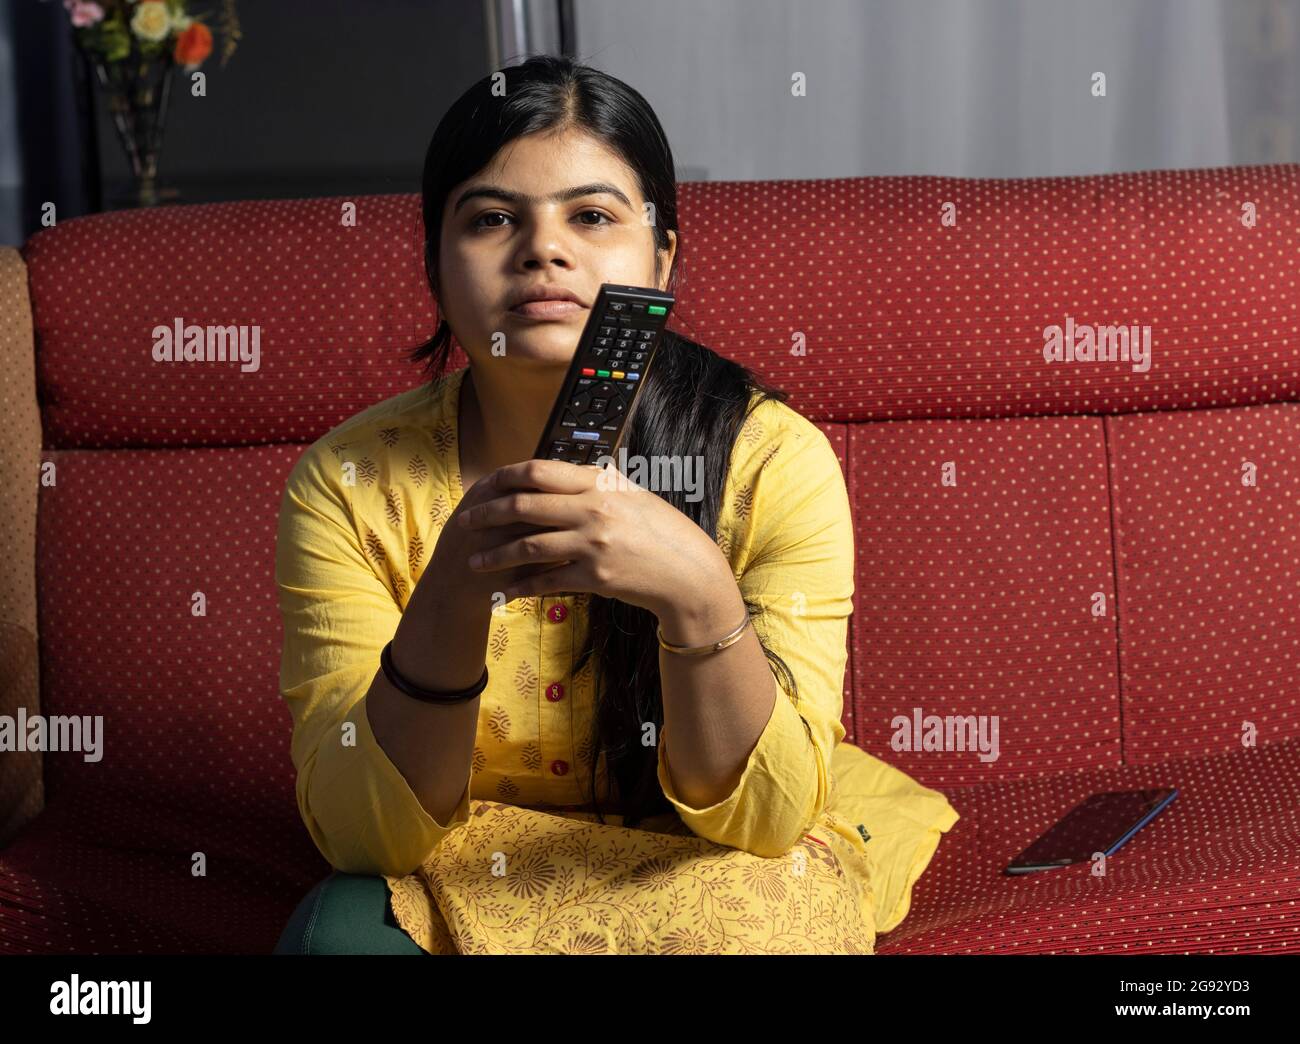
338, 614
797, 559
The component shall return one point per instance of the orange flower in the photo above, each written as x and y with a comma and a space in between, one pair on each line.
193, 45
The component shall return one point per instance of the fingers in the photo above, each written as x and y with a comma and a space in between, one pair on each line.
553, 476
534, 549
524, 507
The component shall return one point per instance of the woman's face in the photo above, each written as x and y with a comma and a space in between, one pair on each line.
514, 231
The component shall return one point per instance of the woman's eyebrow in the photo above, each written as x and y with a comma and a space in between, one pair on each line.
596, 188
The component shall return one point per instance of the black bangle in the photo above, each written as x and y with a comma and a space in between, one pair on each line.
427, 695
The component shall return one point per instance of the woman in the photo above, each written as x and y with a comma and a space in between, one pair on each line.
485, 654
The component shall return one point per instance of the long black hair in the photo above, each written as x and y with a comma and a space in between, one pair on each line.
693, 403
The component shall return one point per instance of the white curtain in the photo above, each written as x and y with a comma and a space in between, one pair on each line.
971, 88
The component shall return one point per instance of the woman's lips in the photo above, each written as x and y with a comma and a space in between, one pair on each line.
547, 309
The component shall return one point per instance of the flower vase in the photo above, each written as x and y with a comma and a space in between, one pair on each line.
137, 92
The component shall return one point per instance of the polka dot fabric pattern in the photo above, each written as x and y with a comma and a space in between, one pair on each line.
335, 307
194, 740
904, 317
22, 794
975, 597
1207, 527
1217, 871
1069, 546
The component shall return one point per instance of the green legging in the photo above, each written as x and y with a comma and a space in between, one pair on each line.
345, 913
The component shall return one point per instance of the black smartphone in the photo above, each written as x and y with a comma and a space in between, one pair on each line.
1102, 823
607, 373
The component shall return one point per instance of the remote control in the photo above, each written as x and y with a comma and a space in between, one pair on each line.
609, 366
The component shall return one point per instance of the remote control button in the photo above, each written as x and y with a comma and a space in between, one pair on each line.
617, 306
588, 372
647, 335
602, 373
617, 375
586, 435
656, 310
633, 376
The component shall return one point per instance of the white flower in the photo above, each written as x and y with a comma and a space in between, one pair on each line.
151, 20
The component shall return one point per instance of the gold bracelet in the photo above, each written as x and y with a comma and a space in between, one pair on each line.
699, 650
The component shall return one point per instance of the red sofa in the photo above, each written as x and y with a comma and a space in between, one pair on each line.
1105, 559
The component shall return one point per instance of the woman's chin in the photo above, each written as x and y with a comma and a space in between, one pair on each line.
549, 345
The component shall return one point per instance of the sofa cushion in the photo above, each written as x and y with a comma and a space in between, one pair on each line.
976, 599
1209, 578
159, 615
1217, 871
115, 876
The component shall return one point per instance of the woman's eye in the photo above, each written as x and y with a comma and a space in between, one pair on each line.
597, 213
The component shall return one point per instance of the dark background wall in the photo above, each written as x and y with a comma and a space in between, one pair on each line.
321, 97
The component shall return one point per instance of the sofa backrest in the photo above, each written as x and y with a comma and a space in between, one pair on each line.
1068, 547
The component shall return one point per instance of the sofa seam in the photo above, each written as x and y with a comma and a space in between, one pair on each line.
1111, 469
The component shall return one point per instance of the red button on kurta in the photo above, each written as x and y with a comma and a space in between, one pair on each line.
555, 692
557, 613
559, 767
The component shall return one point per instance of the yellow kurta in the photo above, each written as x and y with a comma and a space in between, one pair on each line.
815, 850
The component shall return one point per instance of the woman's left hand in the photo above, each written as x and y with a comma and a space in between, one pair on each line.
603, 534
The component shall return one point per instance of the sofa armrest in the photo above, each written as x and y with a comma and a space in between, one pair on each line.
22, 793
